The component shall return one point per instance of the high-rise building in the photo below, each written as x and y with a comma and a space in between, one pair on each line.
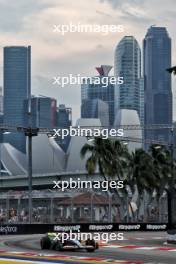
1, 101
1, 115
174, 125
43, 111
64, 120
141, 100
91, 89
157, 82
64, 116
127, 63
17, 82
95, 108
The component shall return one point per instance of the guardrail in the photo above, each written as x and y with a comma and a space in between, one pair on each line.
17, 229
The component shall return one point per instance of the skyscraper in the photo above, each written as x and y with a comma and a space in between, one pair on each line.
127, 63
17, 79
96, 108
64, 120
141, 102
1, 115
1, 101
174, 124
91, 90
43, 111
64, 116
157, 81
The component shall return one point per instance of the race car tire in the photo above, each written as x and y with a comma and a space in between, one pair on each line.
91, 242
90, 249
58, 246
45, 243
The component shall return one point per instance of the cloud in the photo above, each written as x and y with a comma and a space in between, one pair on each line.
30, 22
121, 3
14, 13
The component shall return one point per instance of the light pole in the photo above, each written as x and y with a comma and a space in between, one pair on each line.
30, 176
30, 132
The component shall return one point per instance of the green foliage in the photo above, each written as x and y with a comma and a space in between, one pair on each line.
148, 171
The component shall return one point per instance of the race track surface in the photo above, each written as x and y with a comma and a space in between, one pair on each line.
136, 248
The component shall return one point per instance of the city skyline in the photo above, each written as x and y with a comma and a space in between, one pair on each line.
53, 54
121, 43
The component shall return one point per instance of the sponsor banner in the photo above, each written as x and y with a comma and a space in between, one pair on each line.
85, 227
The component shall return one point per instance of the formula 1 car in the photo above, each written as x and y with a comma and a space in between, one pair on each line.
49, 242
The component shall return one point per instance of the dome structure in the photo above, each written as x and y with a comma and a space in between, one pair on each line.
74, 160
47, 156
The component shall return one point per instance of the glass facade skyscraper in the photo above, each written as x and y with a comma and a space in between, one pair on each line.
43, 111
64, 120
64, 116
91, 90
157, 82
127, 63
96, 108
17, 79
141, 106
1, 101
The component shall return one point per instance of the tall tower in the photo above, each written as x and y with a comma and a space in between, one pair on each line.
1, 101
17, 79
64, 120
127, 63
91, 90
157, 81
43, 111
96, 108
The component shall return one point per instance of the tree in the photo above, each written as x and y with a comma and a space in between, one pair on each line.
109, 157
106, 155
140, 172
96, 151
162, 166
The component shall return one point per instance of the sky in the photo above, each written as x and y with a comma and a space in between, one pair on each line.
31, 23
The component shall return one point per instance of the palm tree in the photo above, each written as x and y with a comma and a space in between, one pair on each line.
106, 155
140, 171
172, 70
117, 154
162, 166
150, 171
164, 171
96, 152
140, 174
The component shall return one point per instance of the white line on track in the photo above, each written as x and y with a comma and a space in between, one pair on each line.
26, 261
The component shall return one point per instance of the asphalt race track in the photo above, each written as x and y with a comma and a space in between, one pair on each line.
136, 248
